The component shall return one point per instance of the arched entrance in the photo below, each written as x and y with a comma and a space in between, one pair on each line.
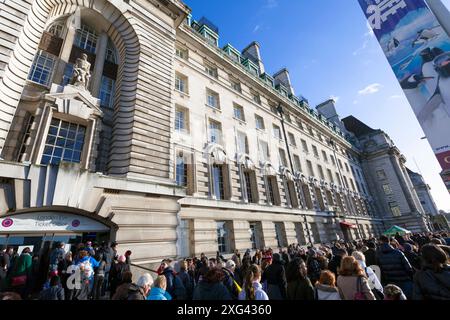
43, 229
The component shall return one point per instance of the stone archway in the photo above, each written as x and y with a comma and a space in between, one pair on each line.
120, 31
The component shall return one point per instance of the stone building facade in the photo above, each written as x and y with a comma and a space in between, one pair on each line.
178, 146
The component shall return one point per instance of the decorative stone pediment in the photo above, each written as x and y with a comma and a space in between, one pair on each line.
74, 101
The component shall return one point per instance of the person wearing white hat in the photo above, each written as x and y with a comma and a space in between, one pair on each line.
230, 281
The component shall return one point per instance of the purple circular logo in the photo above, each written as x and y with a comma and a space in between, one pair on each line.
8, 222
76, 223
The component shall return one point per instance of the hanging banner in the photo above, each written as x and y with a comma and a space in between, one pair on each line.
418, 50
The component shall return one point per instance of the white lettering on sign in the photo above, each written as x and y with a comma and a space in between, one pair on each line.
381, 11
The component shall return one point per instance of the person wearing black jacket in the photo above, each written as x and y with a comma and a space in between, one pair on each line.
174, 284
299, 286
371, 254
395, 267
432, 282
335, 261
275, 277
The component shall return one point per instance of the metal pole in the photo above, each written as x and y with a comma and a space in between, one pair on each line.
441, 12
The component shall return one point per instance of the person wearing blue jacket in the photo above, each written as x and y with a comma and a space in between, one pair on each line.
158, 291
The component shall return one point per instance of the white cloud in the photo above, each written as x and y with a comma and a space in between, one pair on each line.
270, 4
257, 27
367, 38
370, 89
396, 96
355, 101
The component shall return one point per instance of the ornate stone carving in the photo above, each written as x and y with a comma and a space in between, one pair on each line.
81, 73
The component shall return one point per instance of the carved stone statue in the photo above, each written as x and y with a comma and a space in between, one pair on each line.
81, 72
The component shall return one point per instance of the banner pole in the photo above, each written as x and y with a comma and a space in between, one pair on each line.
441, 12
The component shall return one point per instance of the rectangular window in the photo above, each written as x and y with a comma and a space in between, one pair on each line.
218, 182
212, 99
396, 212
211, 39
253, 235
315, 151
256, 97
297, 164
181, 171
106, 95
259, 122
264, 151
387, 189
42, 69
181, 83
305, 146
181, 119
300, 124
332, 160
271, 188
239, 112
310, 168
381, 174
287, 117
346, 167
211, 70
86, 38
64, 142
283, 160
345, 182
311, 132
277, 132
352, 184
236, 85
330, 175
338, 179
292, 139
248, 186
215, 132
222, 237
242, 143
321, 175
324, 155
235, 57
68, 72
182, 53
340, 163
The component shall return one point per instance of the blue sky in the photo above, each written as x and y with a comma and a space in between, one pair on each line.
329, 51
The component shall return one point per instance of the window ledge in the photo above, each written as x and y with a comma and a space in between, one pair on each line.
213, 108
182, 94
243, 122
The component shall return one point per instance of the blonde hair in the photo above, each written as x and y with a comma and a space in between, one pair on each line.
253, 272
358, 255
351, 267
160, 282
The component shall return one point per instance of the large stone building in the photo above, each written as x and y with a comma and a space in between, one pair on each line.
170, 145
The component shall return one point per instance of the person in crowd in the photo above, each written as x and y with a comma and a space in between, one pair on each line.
374, 282
275, 278
352, 281
63, 265
122, 290
257, 258
10, 296
99, 276
393, 293
85, 264
335, 261
313, 265
299, 286
116, 274
399, 239
20, 277
174, 284
252, 285
237, 258
326, 287
89, 248
395, 267
432, 282
55, 290
5, 263
158, 291
230, 281
57, 255
186, 279
128, 257
371, 254
141, 289
211, 287
412, 256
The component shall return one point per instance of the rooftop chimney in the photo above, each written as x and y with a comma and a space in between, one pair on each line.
328, 110
252, 52
283, 77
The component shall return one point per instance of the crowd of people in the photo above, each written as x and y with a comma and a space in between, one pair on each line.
410, 267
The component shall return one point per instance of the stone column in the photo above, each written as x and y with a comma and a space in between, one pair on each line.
291, 234
65, 54
100, 55
401, 178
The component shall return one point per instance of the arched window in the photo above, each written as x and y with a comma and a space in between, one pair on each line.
86, 38
111, 54
57, 29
